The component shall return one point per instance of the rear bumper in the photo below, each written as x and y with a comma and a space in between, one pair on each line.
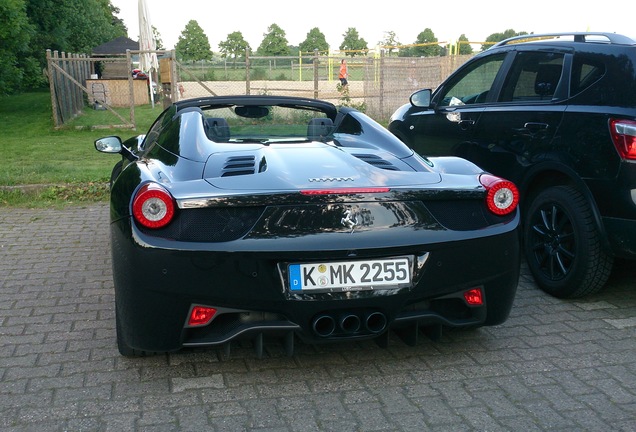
156, 289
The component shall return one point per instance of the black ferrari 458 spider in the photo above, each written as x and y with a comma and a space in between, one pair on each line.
281, 217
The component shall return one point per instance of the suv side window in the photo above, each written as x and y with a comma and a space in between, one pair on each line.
585, 72
533, 77
473, 84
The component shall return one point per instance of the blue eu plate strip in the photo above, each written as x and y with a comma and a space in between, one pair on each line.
294, 277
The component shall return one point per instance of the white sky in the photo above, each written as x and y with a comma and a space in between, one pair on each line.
448, 20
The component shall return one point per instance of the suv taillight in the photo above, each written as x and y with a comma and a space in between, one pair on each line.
624, 136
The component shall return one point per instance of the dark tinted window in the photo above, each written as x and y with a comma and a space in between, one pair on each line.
585, 72
473, 83
534, 77
158, 125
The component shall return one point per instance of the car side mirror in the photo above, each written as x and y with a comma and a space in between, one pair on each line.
111, 144
421, 98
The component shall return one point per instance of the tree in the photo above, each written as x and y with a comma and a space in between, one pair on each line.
88, 23
274, 42
294, 51
157, 37
498, 37
315, 40
30, 27
193, 44
426, 45
234, 46
464, 48
116, 22
390, 40
353, 43
15, 35
75, 26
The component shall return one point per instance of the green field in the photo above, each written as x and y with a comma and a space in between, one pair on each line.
64, 160
58, 166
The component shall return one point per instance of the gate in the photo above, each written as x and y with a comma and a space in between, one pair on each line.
106, 85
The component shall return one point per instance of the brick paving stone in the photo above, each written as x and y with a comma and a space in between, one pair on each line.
566, 365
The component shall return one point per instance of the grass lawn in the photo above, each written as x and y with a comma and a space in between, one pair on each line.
35, 153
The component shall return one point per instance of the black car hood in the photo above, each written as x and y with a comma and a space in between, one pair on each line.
309, 166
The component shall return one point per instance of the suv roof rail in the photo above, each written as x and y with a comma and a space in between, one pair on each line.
578, 37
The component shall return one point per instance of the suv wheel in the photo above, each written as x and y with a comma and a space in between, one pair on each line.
562, 245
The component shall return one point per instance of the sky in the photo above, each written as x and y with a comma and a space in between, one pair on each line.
447, 20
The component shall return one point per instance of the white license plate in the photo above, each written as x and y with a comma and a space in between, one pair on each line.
350, 275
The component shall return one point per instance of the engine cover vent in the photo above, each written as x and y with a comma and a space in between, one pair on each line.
239, 165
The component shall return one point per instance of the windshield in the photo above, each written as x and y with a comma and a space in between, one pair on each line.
266, 124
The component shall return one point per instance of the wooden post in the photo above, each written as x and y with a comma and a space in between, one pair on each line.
131, 88
78, 100
382, 83
51, 72
315, 74
247, 71
174, 89
66, 93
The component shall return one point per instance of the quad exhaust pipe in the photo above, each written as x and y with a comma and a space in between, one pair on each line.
325, 325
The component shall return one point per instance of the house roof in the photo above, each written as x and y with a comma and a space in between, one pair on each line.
117, 46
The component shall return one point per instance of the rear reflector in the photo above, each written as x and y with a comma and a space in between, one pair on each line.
474, 297
344, 191
201, 315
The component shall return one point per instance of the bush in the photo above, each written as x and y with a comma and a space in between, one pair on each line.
258, 74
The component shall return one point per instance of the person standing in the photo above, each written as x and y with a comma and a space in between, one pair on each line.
344, 73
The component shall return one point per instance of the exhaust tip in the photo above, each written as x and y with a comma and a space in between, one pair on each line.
375, 322
350, 323
324, 325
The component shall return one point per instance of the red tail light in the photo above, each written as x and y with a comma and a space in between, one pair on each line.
153, 206
201, 315
502, 196
624, 137
474, 297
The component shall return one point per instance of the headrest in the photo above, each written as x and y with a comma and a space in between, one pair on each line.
217, 129
547, 78
319, 128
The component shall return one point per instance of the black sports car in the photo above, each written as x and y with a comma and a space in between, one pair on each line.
261, 217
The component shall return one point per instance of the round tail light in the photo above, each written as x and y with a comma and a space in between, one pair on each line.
502, 196
153, 206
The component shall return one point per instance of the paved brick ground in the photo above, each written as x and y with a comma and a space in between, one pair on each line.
554, 365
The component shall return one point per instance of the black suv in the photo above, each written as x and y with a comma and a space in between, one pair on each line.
556, 114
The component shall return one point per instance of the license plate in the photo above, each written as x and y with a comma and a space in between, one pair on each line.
350, 275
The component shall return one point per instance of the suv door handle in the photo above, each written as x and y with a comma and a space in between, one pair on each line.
534, 127
466, 124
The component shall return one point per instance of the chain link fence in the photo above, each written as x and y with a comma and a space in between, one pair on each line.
378, 84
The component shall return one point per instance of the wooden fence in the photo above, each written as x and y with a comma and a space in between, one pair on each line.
76, 83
